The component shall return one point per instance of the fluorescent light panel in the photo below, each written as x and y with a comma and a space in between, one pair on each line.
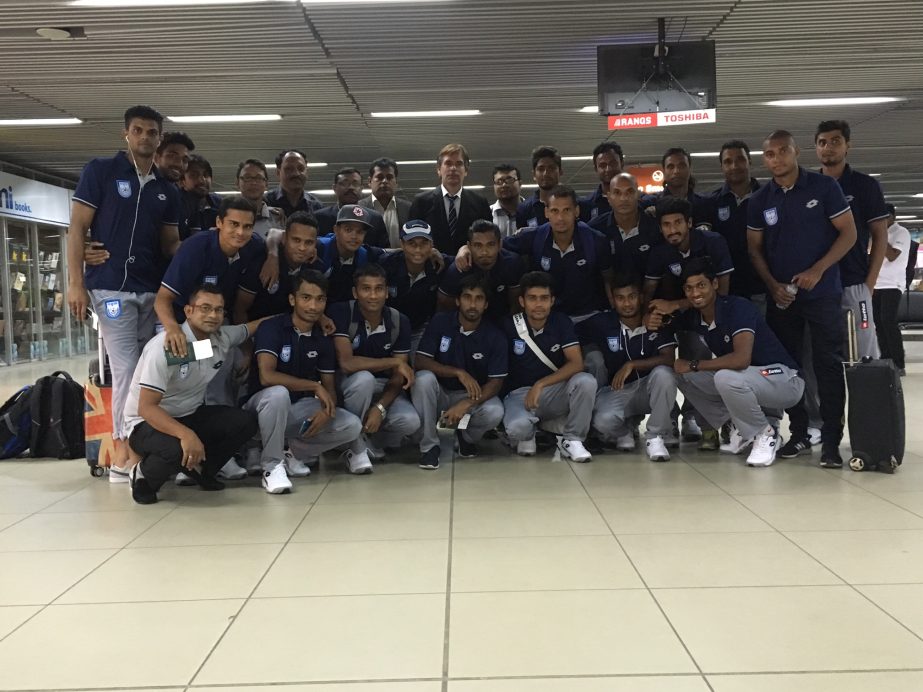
40, 121
165, 3
588, 157
835, 101
704, 154
221, 118
314, 164
590, 109
416, 163
423, 114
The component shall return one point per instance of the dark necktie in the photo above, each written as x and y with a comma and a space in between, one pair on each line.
453, 215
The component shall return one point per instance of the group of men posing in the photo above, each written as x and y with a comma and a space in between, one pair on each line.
290, 329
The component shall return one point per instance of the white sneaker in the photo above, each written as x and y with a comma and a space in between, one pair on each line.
276, 482
526, 448
691, 430
574, 450
656, 449
626, 443
232, 471
295, 467
764, 447
737, 444
183, 480
358, 463
375, 453
814, 436
254, 467
118, 475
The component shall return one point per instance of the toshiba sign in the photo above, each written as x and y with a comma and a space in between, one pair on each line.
637, 120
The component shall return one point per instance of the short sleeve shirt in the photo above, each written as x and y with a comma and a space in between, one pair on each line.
303, 355
376, 343
413, 296
481, 353
666, 262
631, 250
503, 277
620, 344
729, 219
525, 368
868, 205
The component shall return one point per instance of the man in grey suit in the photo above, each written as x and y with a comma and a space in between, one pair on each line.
449, 209
394, 210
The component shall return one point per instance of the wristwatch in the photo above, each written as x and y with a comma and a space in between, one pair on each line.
382, 410
694, 365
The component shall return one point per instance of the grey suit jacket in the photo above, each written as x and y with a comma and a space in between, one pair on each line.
403, 207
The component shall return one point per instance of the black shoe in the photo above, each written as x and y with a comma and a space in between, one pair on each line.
794, 448
831, 459
141, 490
430, 459
465, 449
210, 483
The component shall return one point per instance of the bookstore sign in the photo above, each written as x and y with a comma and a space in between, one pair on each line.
31, 200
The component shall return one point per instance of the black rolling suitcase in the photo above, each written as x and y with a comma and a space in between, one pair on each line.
876, 411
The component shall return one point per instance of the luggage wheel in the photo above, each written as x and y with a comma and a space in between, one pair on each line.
857, 464
97, 471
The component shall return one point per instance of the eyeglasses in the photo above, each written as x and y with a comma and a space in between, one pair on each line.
508, 180
207, 310
252, 179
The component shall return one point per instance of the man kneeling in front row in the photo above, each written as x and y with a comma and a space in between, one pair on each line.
751, 371
169, 427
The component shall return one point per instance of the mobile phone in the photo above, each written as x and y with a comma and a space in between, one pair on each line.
463, 422
95, 245
305, 426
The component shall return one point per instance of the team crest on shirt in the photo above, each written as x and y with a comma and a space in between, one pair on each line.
113, 308
210, 280
356, 342
392, 291
272, 290
519, 346
184, 371
676, 269
445, 344
724, 213
771, 216
594, 213
614, 343
546, 263
286, 354
813, 203
124, 188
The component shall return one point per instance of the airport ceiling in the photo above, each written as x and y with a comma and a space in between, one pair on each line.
528, 65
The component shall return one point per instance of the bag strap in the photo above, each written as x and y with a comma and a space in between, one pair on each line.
519, 320
64, 373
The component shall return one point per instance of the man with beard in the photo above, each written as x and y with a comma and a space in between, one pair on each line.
678, 182
199, 203
172, 155
608, 161
347, 186
291, 195
395, 211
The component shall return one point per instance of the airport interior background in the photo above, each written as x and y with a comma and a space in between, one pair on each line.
495, 574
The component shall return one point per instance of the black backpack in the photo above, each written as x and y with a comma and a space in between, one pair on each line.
16, 423
57, 409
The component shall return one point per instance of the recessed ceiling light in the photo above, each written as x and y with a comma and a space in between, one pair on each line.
528, 186
835, 101
423, 114
422, 162
221, 118
911, 217
704, 154
313, 164
919, 194
474, 187
588, 157
53, 33
41, 121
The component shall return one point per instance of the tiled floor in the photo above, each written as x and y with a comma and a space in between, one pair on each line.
490, 575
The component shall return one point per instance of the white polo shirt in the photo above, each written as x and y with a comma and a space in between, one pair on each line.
894, 274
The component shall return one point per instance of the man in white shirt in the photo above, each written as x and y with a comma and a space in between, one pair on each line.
888, 289
507, 188
384, 185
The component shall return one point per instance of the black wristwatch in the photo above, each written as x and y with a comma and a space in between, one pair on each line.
694, 365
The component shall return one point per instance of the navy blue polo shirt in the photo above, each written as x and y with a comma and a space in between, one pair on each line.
620, 344
502, 277
128, 221
308, 202
577, 274
594, 205
701, 205
733, 315
200, 260
415, 297
197, 214
377, 345
481, 353
630, 255
868, 204
531, 212
666, 262
729, 218
339, 273
797, 229
524, 366
273, 300
305, 356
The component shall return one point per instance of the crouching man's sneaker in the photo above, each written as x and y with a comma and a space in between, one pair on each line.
358, 462
527, 448
294, 466
276, 482
657, 449
574, 450
764, 447
119, 474
232, 471
141, 491
626, 443
465, 449
430, 459
736, 443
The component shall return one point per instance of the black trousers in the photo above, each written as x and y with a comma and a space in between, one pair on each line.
885, 302
828, 333
222, 430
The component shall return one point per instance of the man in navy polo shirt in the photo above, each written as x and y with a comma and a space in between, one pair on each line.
750, 373
372, 343
799, 227
299, 252
860, 266
632, 234
677, 182
131, 212
413, 278
639, 369
546, 381
577, 257
343, 253
546, 172
608, 160
500, 269
172, 156
293, 388
291, 195
461, 364
729, 218
198, 203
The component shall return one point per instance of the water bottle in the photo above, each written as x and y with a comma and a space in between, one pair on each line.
792, 290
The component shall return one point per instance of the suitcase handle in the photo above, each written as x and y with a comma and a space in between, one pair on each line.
852, 338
